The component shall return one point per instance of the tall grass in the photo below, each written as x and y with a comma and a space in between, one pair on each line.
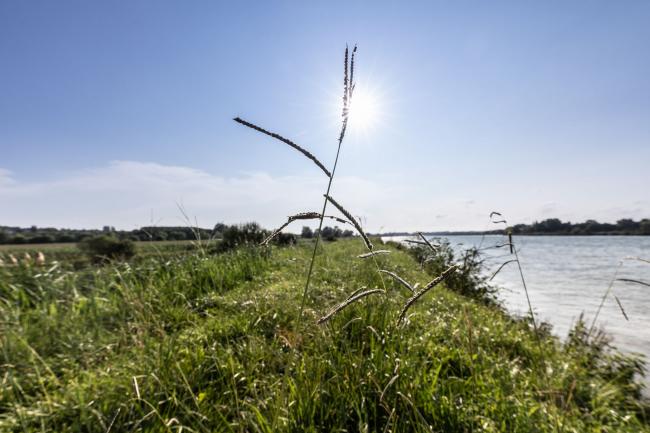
203, 344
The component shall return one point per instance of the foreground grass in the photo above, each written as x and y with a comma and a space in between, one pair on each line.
194, 343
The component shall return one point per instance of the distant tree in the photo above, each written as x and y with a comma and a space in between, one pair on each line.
18, 239
627, 225
328, 233
66, 237
285, 239
4, 237
644, 226
237, 235
591, 227
347, 233
551, 225
176, 235
307, 232
105, 248
41, 239
219, 228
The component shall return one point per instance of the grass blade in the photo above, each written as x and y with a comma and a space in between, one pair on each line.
355, 297
352, 220
424, 290
287, 141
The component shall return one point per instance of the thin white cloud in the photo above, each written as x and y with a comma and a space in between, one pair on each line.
129, 194
5, 177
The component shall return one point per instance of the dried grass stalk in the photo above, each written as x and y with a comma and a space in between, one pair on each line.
352, 220
502, 220
355, 297
300, 216
507, 244
629, 280
351, 83
315, 215
399, 279
621, 307
344, 124
426, 241
287, 141
277, 231
424, 290
413, 241
501, 267
373, 253
346, 85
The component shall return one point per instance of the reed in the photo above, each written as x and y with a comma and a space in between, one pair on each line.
610, 286
348, 90
352, 220
286, 141
350, 300
373, 253
413, 241
299, 216
399, 279
511, 245
440, 278
630, 280
621, 307
347, 96
503, 265
427, 243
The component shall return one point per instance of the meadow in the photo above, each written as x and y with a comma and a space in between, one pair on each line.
187, 340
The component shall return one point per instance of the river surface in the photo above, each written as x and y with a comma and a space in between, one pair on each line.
568, 275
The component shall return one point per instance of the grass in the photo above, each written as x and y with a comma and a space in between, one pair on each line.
68, 254
189, 342
72, 246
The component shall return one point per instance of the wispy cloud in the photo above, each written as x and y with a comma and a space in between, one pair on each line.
5, 177
129, 194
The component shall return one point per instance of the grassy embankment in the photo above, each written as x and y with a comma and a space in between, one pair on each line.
197, 343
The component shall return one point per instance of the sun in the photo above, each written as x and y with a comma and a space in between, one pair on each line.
365, 109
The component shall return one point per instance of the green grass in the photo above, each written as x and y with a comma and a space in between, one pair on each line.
71, 246
186, 342
69, 254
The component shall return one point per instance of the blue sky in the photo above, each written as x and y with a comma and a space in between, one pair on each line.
116, 112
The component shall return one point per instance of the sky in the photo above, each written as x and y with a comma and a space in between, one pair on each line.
120, 113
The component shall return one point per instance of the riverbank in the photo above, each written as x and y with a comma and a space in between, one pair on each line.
211, 343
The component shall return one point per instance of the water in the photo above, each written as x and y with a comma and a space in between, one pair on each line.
568, 275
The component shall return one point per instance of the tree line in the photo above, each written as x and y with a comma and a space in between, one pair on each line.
554, 226
45, 235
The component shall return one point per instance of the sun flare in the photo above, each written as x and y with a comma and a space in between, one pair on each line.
365, 109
